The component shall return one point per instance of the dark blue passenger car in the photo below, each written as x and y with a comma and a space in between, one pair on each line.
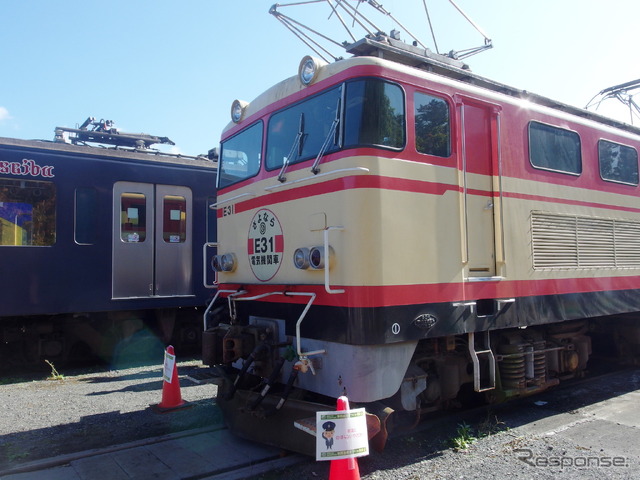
100, 247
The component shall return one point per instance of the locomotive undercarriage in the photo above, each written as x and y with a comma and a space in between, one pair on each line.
444, 373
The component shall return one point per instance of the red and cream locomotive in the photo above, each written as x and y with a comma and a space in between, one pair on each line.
406, 233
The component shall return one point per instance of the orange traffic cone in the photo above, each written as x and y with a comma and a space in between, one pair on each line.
171, 397
345, 468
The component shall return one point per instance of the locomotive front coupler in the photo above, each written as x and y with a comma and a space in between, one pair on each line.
268, 384
260, 349
283, 398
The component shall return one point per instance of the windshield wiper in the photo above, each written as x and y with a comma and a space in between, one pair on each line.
296, 149
331, 137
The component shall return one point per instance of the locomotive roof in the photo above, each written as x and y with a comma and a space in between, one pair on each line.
383, 46
113, 153
397, 54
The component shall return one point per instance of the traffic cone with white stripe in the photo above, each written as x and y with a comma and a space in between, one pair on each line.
171, 397
345, 468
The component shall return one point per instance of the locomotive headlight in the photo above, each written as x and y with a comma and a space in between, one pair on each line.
238, 108
309, 69
301, 258
319, 259
228, 262
215, 263
224, 263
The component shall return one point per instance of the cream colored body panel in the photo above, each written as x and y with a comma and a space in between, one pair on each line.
390, 237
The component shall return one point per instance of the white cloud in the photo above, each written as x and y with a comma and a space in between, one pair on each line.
4, 114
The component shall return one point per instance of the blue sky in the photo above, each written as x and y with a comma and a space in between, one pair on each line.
173, 68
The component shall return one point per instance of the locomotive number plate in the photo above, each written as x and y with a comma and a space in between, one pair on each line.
265, 245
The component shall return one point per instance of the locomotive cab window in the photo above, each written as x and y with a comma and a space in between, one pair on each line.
374, 114
174, 224
299, 132
133, 217
555, 149
240, 156
432, 124
27, 212
618, 163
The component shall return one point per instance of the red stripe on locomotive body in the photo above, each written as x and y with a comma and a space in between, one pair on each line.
347, 183
398, 295
582, 203
402, 185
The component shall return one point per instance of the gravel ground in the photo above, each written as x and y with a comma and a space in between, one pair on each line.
43, 418
568, 433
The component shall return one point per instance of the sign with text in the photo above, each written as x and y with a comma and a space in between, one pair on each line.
341, 434
169, 363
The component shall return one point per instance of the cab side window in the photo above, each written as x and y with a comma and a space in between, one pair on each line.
618, 163
433, 125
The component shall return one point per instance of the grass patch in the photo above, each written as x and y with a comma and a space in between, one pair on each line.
464, 437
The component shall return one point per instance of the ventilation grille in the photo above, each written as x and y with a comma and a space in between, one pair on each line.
571, 242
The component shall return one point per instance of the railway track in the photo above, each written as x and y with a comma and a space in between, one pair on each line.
207, 453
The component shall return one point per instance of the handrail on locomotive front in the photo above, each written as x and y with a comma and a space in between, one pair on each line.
327, 282
298, 322
204, 267
236, 293
311, 177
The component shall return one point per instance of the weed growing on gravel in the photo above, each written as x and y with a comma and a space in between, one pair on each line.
54, 373
491, 426
466, 434
464, 437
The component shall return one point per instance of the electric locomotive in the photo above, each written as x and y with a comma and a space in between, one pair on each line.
101, 247
399, 230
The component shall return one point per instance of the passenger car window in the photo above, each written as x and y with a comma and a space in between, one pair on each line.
133, 217
27, 212
174, 219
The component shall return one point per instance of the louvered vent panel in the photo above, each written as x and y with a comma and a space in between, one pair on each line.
627, 237
596, 247
554, 241
573, 242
